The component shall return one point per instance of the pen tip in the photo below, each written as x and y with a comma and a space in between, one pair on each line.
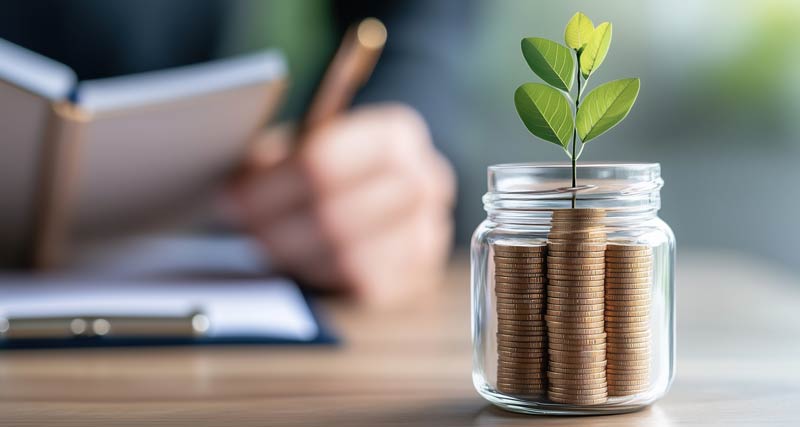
371, 33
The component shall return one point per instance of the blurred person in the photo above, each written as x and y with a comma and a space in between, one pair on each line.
364, 206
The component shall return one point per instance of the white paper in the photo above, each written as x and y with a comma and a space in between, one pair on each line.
260, 308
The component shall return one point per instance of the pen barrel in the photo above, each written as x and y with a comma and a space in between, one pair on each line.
184, 326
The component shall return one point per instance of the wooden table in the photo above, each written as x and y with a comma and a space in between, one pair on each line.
738, 364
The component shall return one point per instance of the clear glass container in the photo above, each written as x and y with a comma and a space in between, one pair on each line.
548, 341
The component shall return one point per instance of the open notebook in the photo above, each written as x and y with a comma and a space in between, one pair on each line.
87, 159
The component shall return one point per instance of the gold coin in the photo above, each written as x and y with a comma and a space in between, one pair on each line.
574, 290
611, 252
599, 339
575, 294
575, 401
518, 247
572, 370
631, 305
630, 335
520, 281
521, 338
525, 373
626, 318
642, 354
624, 275
575, 247
574, 301
572, 277
579, 389
554, 328
579, 213
525, 323
573, 377
575, 347
521, 306
628, 288
576, 268
638, 263
515, 364
583, 308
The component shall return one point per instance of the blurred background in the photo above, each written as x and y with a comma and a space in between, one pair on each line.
719, 106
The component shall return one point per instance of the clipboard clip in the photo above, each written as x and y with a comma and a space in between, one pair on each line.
192, 325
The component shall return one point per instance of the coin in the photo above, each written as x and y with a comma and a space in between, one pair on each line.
520, 329
521, 258
510, 272
572, 277
575, 401
559, 329
575, 294
613, 260
612, 290
630, 305
575, 376
599, 339
577, 365
574, 301
575, 247
575, 287
592, 255
517, 247
629, 346
577, 269
629, 380
521, 306
574, 307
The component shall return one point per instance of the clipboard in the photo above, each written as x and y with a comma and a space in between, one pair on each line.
240, 311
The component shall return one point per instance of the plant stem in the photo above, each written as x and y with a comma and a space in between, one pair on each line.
575, 134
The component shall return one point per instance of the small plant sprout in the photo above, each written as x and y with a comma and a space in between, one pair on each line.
547, 109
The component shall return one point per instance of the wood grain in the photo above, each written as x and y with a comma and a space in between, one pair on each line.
739, 346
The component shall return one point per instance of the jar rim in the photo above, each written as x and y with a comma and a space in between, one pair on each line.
616, 185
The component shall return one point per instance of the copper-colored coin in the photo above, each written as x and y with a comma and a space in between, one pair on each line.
521, 306
529, 346
622, 299
626, 318
644, 369
577, 234
578, 389
523, 300
521, 258
578, 376
525, 373
572, 282
577, 365
572, 370
520, 338
512, 279
614, 253
637, 388
575, 247
630, 335
593, 255
516, 317
631, 381
516, 386
509, 272
530, 355
625, 329
576, 263
641, 354
560, 328
570, 225
621, 365
574, 301
599, 339
570, 277
629, 346
579, 213
518, 290
522, 265
519, 245
627, 306
582, 308
612, 260
575, 401
524, 324
575, 347
628, 289
554, 319
576, 269
575, 294
575, 289
519, 328
527, 271
578, 356
629, 267
625, 275
517, 364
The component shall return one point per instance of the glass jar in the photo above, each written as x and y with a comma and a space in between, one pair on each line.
573, 310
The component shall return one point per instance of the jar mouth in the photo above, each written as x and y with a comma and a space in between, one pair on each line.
624, 186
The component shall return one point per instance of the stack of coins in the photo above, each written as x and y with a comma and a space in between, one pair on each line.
628, 287
521, 336
575, 305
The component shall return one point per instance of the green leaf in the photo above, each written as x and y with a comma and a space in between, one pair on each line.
578, 31
550, 61
545, 112
596, 49
605, 106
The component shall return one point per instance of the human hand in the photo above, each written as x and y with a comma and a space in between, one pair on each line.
364, 206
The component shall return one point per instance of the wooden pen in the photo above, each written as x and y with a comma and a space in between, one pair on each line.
348, 71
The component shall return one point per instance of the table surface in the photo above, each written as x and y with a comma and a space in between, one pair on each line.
738, 364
